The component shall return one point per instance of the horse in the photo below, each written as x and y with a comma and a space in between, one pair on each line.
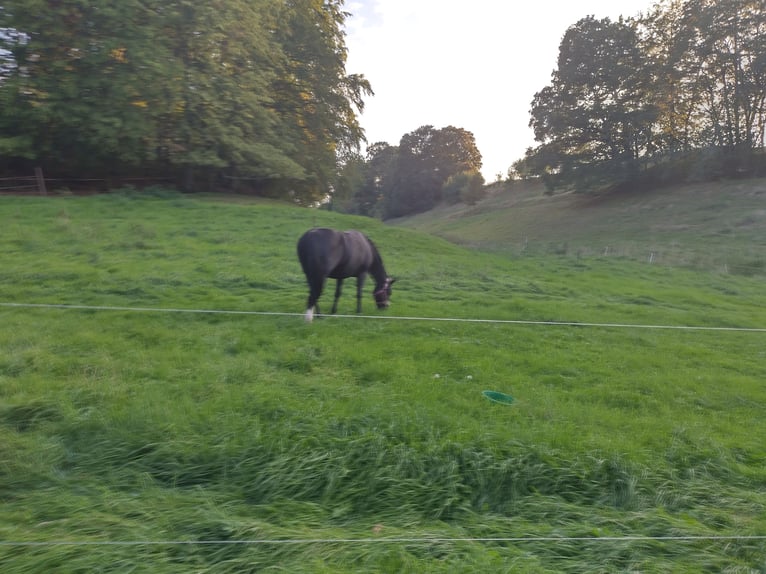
338, 255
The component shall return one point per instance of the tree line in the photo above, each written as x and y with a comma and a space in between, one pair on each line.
245, 94
253, 95
677, 93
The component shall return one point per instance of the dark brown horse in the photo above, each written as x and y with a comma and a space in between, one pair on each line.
335, 254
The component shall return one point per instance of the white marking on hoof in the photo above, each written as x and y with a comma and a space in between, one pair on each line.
309, 315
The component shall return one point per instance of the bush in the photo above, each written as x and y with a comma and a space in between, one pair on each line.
466, 186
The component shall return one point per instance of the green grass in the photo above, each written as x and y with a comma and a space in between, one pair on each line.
123, 426
715, 227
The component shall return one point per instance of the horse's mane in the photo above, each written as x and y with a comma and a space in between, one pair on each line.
377, 269
375, 253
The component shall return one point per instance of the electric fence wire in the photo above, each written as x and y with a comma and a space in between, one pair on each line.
65, 306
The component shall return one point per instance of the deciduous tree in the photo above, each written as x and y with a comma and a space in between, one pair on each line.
427, 158
317, 100
593, 120
252, 90
678, 93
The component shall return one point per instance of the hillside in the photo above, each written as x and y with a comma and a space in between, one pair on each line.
719, 226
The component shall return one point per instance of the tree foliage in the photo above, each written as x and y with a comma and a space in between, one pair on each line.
467, 187
593, 114
678, 92
379, 179
223, 90
426, 159
428, 166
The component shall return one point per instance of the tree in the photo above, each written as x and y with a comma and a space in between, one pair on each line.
233, 90
456, 151
9, 37
593, 120
418, 181
74, 97
709, 60
675, 93
728, 39
351, 178
427, 158
221, 119
466, 186
380, 176
317, 100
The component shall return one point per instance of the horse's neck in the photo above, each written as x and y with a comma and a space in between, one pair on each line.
377, 270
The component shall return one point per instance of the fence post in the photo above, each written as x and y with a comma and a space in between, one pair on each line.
40, 181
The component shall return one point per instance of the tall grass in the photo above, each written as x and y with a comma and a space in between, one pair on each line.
168, 428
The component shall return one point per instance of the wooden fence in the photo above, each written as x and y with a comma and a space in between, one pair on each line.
34, 184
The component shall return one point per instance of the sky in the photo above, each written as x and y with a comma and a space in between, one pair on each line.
473, 65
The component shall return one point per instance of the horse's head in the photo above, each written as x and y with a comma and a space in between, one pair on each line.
383, 293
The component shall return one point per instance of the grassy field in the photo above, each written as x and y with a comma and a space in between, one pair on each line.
717, 227
134, 438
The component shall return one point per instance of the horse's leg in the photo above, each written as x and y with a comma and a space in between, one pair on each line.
312, 305
338, 289
309, 316
311, 310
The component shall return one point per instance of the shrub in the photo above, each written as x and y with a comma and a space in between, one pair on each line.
466, 186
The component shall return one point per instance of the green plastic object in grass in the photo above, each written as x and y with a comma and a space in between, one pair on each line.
498, 397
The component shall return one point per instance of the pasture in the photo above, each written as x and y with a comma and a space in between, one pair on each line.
718, 227
146, 433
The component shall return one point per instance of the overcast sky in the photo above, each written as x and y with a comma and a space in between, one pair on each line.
473, 65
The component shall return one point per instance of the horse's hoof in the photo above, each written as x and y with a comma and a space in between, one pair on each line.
309, 315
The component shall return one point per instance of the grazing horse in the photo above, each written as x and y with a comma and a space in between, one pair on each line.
335, 254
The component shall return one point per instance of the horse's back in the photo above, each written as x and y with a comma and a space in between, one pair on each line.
316, 248
335, 254
317, 241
